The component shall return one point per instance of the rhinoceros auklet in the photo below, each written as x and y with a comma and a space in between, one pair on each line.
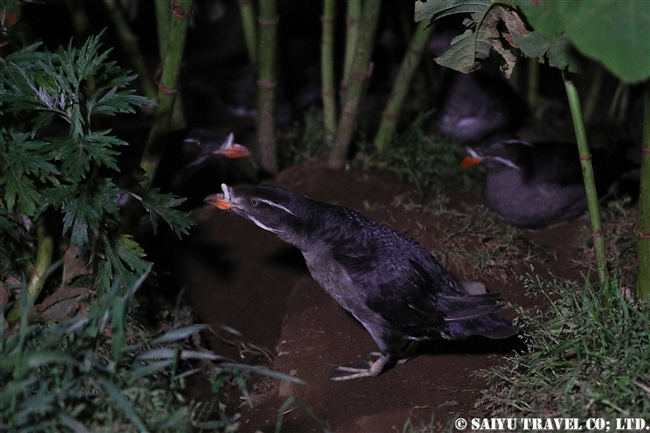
385, 279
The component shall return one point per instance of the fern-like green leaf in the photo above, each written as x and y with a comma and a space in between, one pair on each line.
161, 206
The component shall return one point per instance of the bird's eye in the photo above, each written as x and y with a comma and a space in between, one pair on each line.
254, 202
200, 143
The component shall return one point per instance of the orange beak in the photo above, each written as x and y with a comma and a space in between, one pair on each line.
230, 149
235, 151
218, 201
470, 161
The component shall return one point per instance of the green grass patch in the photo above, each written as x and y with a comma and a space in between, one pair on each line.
100, 372
588, 356
478, 245
429, 163
304, 141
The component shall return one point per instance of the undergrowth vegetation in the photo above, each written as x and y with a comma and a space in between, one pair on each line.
103, 373
428, 162
588, 356
304, 141
619, 220
492, 248
86, 374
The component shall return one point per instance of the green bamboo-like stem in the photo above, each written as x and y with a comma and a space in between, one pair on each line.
623, 106
80, 21
588, 176
250, 30
409, 65
533, 81
643, 219
355, 84
130, 46
616, 101
155, 145
163, 24
352, 29
327, 70
167, 89
266, 83
45, 239
594, 92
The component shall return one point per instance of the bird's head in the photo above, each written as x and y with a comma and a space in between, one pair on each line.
498, 154
199, 145
277, 210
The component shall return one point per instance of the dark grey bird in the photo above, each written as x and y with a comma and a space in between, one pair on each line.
385, 279
474, 105
477, 104
538, 184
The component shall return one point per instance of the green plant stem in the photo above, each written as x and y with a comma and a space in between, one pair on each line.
250, 30
163, 23
355, 84
155, 145
43, 261
352, 29
327, 70
643, 221
266, 83
409, 65
80, 21
588, 176
167, 89
533, 81
617, 102
594, 92
130, 45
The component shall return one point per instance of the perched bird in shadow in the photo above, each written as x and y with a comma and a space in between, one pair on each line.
535, 185
478, 104
474, 105
385, 279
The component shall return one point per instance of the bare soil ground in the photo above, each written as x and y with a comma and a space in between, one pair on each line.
241, 276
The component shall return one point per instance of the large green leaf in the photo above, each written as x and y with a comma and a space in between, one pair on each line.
427, 10
557, 49
616, 33
485, 32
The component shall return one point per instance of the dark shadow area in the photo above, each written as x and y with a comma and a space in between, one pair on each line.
290, 258
473, 345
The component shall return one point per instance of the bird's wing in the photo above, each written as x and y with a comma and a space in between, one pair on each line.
403, 283
405, 301
417, 299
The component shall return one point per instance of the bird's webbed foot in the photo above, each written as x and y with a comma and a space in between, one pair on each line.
375, 363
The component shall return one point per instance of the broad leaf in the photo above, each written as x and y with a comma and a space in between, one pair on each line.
615, 33
433, 10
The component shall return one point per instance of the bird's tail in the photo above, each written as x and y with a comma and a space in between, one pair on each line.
501, 329
491, 326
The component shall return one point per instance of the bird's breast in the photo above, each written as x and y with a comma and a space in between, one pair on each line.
333, 277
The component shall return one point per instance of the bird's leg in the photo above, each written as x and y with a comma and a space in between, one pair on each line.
375, 364
408, 353
355, 371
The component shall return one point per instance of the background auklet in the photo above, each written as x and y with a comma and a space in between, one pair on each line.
535, 185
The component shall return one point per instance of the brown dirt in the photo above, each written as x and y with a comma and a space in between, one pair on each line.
241, 276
